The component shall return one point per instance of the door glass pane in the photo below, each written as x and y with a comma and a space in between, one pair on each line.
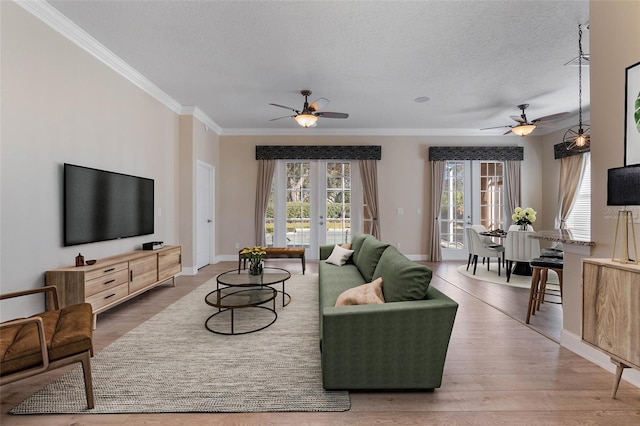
452, 208
298, 195
269, 224
338, 200
492, 195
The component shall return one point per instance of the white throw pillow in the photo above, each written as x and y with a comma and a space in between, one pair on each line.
339, 256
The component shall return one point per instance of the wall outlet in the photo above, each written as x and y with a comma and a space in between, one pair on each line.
237, 245
398, 245
399, 210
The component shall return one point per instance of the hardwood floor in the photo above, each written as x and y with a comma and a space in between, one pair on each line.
498, 370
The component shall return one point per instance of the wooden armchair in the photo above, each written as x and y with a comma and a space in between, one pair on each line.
45, 341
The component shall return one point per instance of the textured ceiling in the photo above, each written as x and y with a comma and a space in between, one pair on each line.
475, 60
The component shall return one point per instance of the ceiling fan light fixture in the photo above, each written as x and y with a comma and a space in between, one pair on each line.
306, 120
524, 129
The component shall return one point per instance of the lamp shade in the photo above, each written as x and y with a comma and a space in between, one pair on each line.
623, 186
306, 120
524, 129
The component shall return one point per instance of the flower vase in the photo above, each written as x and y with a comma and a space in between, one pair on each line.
255, 268
524, 227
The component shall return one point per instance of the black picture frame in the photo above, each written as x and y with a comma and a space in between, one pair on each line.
632, 115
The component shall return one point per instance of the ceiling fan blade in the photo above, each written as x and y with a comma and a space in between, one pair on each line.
552, 117
497, 127
507, 132
518, 118
286, 107
331, 114
319, 104
280, 118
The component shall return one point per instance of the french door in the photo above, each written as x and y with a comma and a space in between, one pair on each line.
473, 193
311, 204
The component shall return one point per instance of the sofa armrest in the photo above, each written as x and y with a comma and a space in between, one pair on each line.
325, 251
390, 345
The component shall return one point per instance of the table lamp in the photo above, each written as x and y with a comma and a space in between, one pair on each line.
623, 189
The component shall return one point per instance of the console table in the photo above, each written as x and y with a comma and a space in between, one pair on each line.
611, 312
113, 280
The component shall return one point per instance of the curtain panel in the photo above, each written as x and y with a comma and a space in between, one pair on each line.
512, 184
266, 170
369, 177
437, 183
571, 171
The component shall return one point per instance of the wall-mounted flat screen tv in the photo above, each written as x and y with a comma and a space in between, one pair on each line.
100, 205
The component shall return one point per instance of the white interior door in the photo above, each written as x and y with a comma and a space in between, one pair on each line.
205, 216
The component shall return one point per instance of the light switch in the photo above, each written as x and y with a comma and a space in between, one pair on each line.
399, 210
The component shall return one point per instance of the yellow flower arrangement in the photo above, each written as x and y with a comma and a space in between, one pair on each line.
254, 254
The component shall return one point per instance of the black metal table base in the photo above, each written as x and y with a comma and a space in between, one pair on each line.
233, 332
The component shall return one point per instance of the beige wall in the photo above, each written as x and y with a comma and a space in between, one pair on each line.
60, 104
614, 34
403, 177
614, 46
197, 143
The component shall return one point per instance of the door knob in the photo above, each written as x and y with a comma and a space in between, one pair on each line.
209, 221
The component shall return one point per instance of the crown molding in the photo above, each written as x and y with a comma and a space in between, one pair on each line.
56, 20
354, 132
204, 118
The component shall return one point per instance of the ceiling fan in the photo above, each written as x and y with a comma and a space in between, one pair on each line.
309, 114
525, 127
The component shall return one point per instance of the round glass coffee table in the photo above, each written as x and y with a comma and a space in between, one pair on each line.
240, 290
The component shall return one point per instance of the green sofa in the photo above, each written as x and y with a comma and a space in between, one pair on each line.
399, 344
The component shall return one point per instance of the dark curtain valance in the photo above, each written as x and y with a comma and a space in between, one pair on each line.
486, 153
560, 150
318, 152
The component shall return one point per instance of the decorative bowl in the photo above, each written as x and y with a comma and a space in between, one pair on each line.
91, 262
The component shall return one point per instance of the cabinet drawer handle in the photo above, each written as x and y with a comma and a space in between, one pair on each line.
109, 282
111, 295
109, 270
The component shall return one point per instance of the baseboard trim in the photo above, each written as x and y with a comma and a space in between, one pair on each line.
574, 344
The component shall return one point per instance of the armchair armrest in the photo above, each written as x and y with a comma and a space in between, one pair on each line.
47, 289
42, 344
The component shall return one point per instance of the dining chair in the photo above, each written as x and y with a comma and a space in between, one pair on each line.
519, 247
478, 249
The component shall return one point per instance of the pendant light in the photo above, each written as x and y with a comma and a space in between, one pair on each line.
578, 138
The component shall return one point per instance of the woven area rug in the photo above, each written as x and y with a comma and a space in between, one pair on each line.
172, 364
491, 276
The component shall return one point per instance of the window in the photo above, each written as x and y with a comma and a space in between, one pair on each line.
580, 215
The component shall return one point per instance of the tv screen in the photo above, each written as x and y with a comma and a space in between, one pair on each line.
100, 205
623, 186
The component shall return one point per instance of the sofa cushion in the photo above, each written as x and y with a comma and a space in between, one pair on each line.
403, 278
365, 294
356, 244
368, 256
336, 279
339, 256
